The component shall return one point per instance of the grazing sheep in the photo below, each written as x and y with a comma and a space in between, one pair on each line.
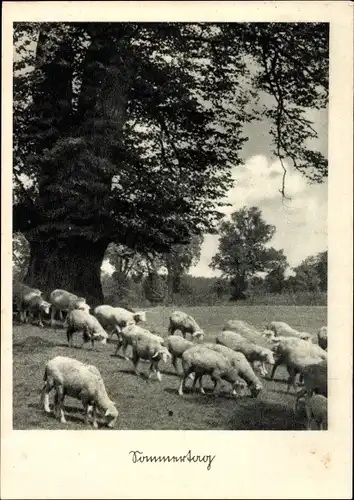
22, 294
186, 324
177, 345
128, 334
283, 329
82, 321
316, 412
201, 361
116, 318
322, 337
63, 301
37, 306
70, 377
297, 356
282, 345
315, 381
253, 352
240, 363
148, 346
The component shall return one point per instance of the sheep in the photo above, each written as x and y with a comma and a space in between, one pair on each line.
22, 294
285, 330
36, 305
240, 363
148, 346
116, 318
322, 337
297, 356
128, 334
201, 361
285, 343
70, 377
315, 381
177, 345
253, 352
79, 320
186, 324
63, 301
316, 412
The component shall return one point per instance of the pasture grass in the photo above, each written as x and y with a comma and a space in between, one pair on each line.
150, 405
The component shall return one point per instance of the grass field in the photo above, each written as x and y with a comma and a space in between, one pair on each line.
147, 404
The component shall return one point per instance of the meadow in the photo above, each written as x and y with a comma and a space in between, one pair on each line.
148, 404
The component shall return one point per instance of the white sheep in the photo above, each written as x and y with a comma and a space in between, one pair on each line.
116, 318
280, 328
240, 363
201, 361
297, 356
149, 347
253, 352
177, 345
185, 324
316, 412
322, 337
63, 301
281, 346
82, 321
37, 306
22, 295
70, 377
128, 334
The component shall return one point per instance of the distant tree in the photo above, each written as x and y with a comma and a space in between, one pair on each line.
154, 288
221, 287
274, 281
20, 256
178, 261
242, 249
306, 275
322, 270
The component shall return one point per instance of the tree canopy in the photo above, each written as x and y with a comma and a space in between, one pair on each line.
126, 132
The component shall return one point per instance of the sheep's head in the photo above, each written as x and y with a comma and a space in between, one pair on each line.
269, 334
111, 416
255, 389
81, 305
45, 307
267, 355
140, 316
162, 353
198, 335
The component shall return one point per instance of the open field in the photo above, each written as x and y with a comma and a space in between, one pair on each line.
147, 404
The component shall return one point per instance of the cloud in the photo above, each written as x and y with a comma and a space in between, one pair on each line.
301, 221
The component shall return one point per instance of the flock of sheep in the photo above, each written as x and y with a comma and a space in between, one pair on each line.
241, 355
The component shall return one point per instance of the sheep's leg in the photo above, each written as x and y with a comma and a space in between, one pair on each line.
119, 344
201, 388
291, 379
52, 316
300, 394
183, 380
69, 336
135, 360
60, 400
45, 397
40, 320
157, 371
194, 385
174, 362
125, 347
278, 362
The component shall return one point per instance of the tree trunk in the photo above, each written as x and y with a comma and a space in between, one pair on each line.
73, 265
170, 278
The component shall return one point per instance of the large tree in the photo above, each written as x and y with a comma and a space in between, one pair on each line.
242, 251
126, 132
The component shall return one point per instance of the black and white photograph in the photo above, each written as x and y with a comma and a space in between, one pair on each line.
170, 227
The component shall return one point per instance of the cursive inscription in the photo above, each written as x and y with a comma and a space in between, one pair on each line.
139, 457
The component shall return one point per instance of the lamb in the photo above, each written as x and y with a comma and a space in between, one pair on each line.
240, 363
63, 301
297, 356
253, 352
91, 328
116, 318
316, 412
315, 381
22, 295
201, 361
147, 346
177, 345
322, 337
186, 324
282, 345
70, 377
285, 330
128, 334
37, 306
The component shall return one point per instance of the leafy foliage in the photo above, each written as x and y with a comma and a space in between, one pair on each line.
154, 288
242, 251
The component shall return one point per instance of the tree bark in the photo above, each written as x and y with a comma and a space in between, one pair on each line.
73, 265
